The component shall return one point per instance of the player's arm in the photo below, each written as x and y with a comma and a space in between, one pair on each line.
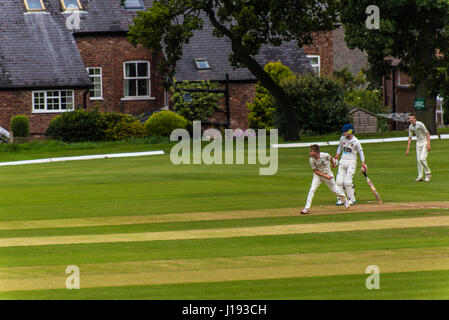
338, 151
361, 154
409, 141
325, 176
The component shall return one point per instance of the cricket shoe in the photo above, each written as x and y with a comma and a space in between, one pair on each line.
352, 202
427, 178
339, 203
305, 211
419, 179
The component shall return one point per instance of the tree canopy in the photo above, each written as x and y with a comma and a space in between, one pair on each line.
415, 32
248, 24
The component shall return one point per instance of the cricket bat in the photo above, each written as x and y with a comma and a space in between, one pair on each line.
373, 189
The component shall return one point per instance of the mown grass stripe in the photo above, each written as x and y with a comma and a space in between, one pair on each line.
210, 216
230, 232
227, 269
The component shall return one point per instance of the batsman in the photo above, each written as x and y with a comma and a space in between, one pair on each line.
350, 146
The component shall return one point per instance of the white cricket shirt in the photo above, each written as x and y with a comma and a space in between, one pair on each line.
420, 131
322, 164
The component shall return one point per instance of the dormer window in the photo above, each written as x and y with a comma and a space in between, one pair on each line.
202, 64
34, 5
133, 4
71, 5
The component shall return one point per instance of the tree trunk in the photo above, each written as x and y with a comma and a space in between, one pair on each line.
283, 99
427, 116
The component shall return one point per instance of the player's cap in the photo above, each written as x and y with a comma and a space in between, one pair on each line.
347, 127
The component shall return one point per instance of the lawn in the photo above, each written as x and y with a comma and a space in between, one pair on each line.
143, 228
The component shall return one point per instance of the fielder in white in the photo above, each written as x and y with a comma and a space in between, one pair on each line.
422, 147
320, 163
350, 146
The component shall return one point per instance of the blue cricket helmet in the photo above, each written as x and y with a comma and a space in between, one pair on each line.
347, 127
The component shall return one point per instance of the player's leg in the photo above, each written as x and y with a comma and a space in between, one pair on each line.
423, 158
315, 184
418, 160
337, 191
339, 181
348, 181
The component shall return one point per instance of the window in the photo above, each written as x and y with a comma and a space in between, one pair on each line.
68, 5
202, 64
137, 79
133, 4
53, 101
34, 5
95, 74
315, 63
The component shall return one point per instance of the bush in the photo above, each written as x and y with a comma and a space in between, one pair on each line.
126, 128
203, 104
370, 100
82, 126
319, 104
262, 111
20, 126
163, 123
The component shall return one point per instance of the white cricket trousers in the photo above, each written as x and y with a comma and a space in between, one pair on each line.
316, 183
346, 171
421, 158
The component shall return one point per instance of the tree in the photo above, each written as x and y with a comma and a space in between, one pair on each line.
416, 32
248, 24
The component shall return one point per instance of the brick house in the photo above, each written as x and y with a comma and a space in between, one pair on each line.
329, 53
56, 55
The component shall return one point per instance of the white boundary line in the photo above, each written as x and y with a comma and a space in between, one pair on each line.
335, 143
91, 157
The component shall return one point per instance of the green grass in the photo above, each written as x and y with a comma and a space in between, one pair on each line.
398, 286
152, 185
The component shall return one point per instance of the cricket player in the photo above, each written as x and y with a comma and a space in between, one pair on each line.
350, 146
320, 163
422, 146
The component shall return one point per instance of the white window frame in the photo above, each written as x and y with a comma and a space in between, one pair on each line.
60, 110
134, 8
125, 78
34, 10
315, 65
68, 9
101, 82
202, 60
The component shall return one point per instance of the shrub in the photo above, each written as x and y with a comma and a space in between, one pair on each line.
262, 111
20, 126
164, 122
319, 104
370, 100
82, 126
127, 128
203, 104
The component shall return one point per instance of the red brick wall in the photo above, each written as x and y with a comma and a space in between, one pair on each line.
323, 46
110, 52
19, 102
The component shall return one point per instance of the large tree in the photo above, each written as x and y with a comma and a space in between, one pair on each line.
414, 31
248, 24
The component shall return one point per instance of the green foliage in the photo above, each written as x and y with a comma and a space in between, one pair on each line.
82, 125
163, 123
370, 100
20, 126
126, 128
319, 103
203, 104
348, 80
262, 111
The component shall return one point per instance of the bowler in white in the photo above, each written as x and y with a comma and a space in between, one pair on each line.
418, 129
320, 163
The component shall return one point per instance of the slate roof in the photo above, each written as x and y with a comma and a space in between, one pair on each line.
37, 51
216, 50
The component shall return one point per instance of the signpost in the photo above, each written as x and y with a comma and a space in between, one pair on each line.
420, 104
